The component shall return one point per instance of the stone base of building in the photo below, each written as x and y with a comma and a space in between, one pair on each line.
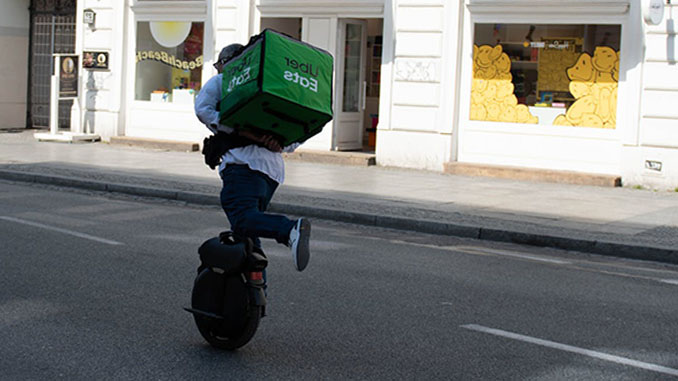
532, 174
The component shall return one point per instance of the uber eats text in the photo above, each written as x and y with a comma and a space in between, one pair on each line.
295, 77
240, 73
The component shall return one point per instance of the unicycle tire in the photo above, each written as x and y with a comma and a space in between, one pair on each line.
235, 318
211, 332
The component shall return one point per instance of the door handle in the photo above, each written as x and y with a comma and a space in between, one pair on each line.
364, 102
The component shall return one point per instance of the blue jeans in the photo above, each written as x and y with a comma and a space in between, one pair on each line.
245, 197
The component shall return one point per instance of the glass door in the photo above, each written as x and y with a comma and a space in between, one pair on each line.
351, 84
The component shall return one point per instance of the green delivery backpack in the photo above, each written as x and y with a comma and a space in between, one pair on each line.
278, 85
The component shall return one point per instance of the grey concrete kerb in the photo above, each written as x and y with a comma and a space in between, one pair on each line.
369, 219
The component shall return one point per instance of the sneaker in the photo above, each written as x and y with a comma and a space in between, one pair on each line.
299, 243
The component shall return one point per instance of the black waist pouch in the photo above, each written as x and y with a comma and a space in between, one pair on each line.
215, 146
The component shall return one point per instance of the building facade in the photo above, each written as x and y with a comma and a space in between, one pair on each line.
578, 85
14, 39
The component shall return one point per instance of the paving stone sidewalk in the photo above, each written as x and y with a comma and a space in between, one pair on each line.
623, 222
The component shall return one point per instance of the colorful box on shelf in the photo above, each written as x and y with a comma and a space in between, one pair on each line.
160, 96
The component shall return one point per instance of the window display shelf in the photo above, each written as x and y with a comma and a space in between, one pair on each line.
374, 65
525, 64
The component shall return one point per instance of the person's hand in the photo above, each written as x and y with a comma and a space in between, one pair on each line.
271, 143
268, 141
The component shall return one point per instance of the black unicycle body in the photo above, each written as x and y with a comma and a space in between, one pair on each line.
228, 298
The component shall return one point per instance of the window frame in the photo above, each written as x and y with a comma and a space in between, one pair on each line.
203, 67
163, 10
548, 12
596, 150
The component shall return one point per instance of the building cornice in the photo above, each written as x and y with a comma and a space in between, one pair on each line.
163, 7
296, 7
552, 7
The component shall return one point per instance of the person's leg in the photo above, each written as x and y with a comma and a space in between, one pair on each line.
245, 197
299, 236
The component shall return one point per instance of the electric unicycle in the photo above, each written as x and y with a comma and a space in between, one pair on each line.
228, 298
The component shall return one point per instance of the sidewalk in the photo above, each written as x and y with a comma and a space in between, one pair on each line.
611, 221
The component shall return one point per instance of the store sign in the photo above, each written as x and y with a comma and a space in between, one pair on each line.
555, 44
168, 59
653, 11
88, 16
95, 60
68, 77
653, 165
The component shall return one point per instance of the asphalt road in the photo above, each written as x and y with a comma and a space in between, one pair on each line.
93, 285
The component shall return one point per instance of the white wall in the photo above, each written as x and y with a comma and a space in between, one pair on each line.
232, 22
14, 13
14, 39
413, 129
102, 91
321, 32
658, 126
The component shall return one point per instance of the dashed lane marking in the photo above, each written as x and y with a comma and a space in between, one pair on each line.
572, 349
507, 253
60, 230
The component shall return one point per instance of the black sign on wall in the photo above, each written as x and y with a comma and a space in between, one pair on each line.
95, 60
68, 76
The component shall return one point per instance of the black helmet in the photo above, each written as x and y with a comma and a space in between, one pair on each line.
228, 52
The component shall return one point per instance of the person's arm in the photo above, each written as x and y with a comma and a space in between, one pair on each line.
264, 140
206, 105
207, 112
291, 147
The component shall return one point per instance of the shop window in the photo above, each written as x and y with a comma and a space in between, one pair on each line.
169, 61
562, 75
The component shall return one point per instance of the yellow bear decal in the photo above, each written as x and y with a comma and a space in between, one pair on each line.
594, 82
583, 105
580, 89
604, 59
487, 55
582, 70
492, 97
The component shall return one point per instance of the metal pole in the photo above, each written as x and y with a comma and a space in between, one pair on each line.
54, 96
53, 89
51, 45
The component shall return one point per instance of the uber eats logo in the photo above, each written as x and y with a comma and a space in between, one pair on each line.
240, 73
303, 79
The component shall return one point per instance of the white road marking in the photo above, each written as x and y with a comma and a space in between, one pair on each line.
673, 282
569, 348
65, 231
474, 250
477, 250
507, 253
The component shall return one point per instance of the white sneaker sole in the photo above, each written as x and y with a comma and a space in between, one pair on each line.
301, 251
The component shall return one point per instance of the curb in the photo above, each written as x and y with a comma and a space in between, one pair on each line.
333, 157
169, 145
622, 250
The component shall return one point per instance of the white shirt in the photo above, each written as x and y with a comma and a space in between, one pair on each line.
256, 157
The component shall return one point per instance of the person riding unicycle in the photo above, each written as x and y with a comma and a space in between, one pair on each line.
251, 168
